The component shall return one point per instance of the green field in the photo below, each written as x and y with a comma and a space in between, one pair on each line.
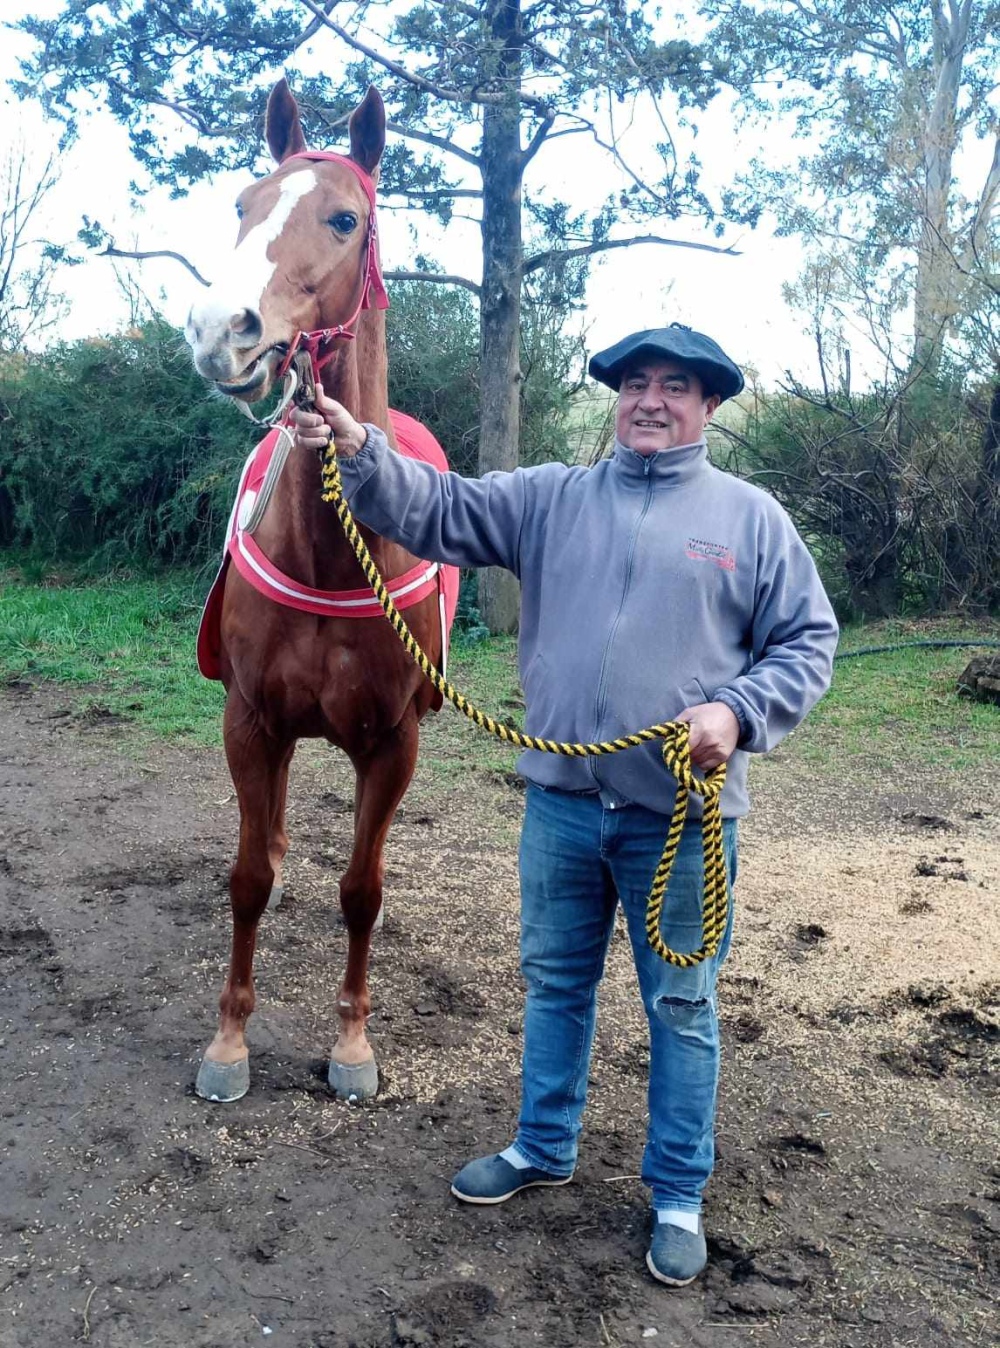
127, 647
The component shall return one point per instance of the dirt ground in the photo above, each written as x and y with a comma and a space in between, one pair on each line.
857, 1197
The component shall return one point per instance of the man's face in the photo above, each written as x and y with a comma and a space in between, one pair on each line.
662, 405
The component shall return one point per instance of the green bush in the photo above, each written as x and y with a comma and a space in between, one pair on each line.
894, 490
111, 451
114, 453
432, 333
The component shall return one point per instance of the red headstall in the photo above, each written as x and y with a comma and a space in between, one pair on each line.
320, 344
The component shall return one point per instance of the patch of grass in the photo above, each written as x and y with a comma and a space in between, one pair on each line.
887, 711
900, 708
486, 672
128, 645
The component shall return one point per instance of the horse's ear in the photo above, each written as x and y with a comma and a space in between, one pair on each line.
281, 124
367, 131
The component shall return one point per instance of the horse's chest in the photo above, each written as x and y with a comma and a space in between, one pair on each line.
308, 688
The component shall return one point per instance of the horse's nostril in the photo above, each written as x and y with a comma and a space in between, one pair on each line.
247, 326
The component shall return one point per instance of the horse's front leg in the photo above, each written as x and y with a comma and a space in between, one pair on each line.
383, 777
258, 766
277, 844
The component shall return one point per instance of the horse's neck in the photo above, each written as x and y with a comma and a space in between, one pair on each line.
302, 533
357, 375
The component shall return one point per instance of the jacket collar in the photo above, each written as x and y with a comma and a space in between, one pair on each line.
669, 467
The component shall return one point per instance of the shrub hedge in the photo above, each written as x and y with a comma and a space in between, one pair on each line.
112, 450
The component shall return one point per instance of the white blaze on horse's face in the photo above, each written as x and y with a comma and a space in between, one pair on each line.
228, 325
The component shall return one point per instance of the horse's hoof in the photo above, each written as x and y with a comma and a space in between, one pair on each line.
223, 1082
353, 1081
275, 896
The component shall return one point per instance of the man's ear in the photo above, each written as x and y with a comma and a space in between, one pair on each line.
711, 405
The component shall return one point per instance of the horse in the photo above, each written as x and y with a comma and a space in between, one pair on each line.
305, 275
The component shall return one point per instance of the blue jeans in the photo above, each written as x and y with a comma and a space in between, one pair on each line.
578, 860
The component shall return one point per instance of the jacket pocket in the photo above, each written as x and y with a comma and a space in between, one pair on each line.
689, 695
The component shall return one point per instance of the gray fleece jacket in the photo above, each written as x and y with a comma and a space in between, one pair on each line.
648, 584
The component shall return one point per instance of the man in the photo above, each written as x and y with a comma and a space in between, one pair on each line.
653, 587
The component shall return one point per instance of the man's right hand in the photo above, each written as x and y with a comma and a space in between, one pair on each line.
715, 733
314, 429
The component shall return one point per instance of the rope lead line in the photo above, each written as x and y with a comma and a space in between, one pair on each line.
676, 755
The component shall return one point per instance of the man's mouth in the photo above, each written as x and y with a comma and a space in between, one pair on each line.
651, 425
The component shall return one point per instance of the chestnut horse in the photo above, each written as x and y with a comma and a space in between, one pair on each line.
305, 259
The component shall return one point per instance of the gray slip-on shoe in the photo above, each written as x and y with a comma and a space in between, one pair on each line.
491, 1179
676, 1256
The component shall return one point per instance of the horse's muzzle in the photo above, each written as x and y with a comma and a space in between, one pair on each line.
255, 381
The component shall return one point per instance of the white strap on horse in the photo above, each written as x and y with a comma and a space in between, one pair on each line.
281, 450
274, 470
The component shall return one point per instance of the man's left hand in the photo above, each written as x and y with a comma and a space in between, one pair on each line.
715, 733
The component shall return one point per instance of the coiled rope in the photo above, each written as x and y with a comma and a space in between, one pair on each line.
676, 754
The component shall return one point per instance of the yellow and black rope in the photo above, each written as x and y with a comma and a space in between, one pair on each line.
676, 755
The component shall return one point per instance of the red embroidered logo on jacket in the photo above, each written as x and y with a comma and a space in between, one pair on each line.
701, 551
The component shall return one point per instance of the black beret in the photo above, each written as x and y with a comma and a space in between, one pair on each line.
706, 358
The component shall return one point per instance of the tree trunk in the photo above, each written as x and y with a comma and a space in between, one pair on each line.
988, 503
936, 295
872, 568
500, 302
970, 540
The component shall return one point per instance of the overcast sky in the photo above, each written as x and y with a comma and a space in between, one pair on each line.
735, 299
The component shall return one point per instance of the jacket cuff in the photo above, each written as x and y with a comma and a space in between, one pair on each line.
736, 707
356, 469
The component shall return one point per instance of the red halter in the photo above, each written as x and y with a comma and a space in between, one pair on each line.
320, 343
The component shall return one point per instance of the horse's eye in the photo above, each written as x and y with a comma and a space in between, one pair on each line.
344, 221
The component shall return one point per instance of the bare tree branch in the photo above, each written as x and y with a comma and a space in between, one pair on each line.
430, 193
410, 77
562, 254
401, 206
537, 140
28, 302
440, 278
612, 148
987, 201
450, 95
111, 251
440, 142
186, 114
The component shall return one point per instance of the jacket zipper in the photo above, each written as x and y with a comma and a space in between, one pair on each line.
601, 699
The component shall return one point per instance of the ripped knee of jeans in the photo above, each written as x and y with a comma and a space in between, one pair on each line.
683, 1010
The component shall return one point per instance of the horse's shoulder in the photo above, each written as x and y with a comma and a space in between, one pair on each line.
417, 441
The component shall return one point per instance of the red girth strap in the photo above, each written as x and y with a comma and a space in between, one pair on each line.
320, 344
